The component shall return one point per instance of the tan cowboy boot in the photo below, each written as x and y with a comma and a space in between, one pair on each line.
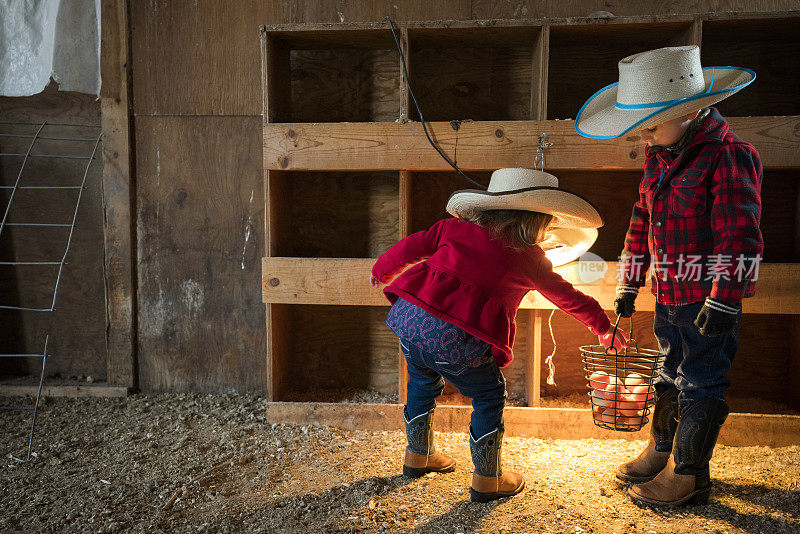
421, 457
489, 481
686, 478
662, 432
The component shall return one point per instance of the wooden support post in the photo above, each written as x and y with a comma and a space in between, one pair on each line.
539, 72
275, 74
696, 32
277, 192
119, 270
793, 387
405, 230
405, 97
534, 371
276, 99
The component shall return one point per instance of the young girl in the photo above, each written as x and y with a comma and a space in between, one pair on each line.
454, 312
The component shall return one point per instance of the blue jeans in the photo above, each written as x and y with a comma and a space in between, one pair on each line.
695, 364
484, 384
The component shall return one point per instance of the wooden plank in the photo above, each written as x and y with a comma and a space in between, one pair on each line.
579, 9
320, 281
198, 58
344, 281
489, 145
199, 230
119, 271
740, 429
64, 391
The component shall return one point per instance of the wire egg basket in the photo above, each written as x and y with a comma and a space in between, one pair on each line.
621, 390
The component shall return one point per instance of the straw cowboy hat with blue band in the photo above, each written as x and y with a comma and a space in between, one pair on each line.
657, 86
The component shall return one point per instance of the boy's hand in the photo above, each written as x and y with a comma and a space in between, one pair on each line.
620, 339
374, 282
717, 318
623, 304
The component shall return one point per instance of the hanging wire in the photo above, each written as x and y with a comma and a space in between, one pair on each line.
419, 111
551, 377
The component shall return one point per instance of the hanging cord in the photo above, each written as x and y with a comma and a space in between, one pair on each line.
419, 111
551, 380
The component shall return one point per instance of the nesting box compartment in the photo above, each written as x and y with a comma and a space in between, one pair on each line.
335, 76
475, 73
333, 353
768, 45
334, 214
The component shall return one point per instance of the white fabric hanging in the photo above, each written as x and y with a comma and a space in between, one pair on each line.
40, 39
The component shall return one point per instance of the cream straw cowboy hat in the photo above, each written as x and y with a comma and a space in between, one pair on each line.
529, 190
657, 86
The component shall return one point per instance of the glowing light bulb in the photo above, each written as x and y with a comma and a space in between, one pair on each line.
563, 245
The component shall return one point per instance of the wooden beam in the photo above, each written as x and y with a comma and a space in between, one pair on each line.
488, 145
740, 429
119, 269
345, 281
63, 391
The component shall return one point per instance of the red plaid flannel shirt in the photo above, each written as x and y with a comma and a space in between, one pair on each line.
700, 225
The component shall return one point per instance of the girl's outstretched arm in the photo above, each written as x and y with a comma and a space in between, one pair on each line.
568, 299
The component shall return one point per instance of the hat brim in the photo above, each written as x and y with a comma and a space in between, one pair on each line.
568, 209
601, 118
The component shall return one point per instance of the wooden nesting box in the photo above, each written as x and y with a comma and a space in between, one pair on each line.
348, 172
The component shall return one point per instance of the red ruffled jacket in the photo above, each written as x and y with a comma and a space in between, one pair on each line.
476, 282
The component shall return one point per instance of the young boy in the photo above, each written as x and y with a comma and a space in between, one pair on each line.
697, 223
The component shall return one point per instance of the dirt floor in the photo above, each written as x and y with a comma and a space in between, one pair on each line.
197, 463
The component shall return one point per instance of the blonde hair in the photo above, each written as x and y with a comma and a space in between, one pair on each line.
518, 228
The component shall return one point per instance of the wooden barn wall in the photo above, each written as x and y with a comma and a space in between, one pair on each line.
77, 326
196, 90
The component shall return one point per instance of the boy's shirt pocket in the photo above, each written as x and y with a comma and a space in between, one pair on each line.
688, 194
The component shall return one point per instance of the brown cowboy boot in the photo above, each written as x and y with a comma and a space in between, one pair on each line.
489, 481
686, 478
421, 457
662, 432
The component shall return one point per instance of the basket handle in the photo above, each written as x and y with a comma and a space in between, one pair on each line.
632, 341
613, 335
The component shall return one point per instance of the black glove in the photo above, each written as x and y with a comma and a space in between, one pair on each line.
717, 317
623, 303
